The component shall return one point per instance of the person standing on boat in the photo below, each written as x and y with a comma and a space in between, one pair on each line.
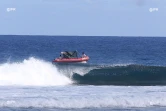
60, 57
83, 55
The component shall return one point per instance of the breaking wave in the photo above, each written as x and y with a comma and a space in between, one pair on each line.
36, 72
32, 72
123, 75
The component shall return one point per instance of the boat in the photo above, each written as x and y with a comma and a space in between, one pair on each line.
71, 57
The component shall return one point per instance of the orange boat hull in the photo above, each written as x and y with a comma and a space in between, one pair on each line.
64, 60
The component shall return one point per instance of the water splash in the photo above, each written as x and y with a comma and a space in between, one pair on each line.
33, 72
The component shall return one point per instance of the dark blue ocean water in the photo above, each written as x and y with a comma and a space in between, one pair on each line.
102, 50
123, 73
119, 60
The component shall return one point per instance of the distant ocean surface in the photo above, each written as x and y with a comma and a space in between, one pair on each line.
123, 74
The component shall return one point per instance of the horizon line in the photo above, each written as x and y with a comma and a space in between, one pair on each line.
79, 35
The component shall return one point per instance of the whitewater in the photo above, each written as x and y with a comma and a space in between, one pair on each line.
35, 83
31, 72
82, 97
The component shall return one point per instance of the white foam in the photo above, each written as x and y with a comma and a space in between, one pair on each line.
114, 65
84, 97
33, 72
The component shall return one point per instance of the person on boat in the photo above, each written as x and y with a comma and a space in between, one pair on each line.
60, 57
83, 55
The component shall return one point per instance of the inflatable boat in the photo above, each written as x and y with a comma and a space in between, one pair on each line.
71, 57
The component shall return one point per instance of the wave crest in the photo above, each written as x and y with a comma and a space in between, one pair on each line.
123, 75
32, 72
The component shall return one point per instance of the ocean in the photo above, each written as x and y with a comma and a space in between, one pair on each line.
123, 74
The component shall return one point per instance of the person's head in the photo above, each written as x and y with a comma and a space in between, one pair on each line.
83, 53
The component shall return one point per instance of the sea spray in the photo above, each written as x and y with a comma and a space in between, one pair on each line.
32, 72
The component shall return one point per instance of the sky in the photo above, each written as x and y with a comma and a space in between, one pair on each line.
83, 17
